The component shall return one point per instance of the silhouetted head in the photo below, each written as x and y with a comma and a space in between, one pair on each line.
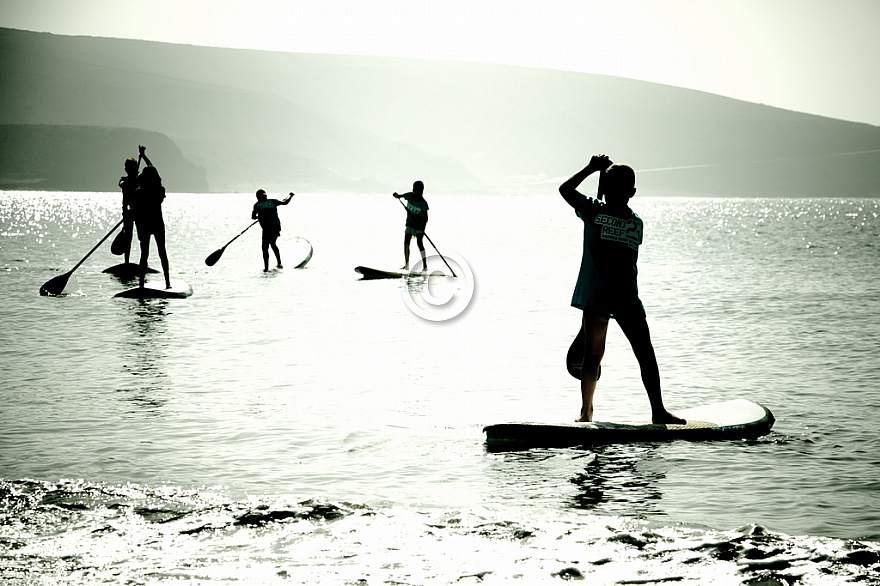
131, 166
418, 188
150, 176
618, 183
261, 195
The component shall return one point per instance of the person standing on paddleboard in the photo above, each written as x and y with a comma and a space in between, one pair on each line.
607, 285
416, 220
128, 184
266, 210
147, 207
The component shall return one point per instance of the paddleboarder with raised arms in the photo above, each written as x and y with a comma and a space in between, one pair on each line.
607, 285
266, 211
147, 207
416, 221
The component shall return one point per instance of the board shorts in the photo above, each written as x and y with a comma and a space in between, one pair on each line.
413, 231
271, 233
625, 308
147, 227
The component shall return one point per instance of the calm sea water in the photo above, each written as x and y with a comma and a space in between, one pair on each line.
304, 426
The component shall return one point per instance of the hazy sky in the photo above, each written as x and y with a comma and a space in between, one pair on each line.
813, 56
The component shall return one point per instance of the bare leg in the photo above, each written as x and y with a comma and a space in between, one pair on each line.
145, 255
420, 243
595, 331
163, 256
406, 239
277, 253
639, 336
128, 228
265, 256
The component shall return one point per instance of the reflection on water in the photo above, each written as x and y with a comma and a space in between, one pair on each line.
623, 480
612, 480
145, 353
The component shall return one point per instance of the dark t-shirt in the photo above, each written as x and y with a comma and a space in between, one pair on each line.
267, 213
416, 211
128, 185
607, 280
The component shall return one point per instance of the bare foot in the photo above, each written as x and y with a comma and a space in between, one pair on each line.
667, 417
585, 417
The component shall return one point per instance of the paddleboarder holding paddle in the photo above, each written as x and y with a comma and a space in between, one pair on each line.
266, 211
128, 184
416, 220
606, 285
147, 207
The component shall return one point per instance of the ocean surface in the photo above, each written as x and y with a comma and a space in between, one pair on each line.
303, 426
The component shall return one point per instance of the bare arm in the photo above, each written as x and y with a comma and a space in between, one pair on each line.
568, 189
286, 201
143, 154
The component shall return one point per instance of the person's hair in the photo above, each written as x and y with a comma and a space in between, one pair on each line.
131, 165
619, 179
150, 176
418, 187
261, 192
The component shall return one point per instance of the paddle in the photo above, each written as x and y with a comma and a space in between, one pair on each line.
122, 242
56, 285
434, 245
215, 256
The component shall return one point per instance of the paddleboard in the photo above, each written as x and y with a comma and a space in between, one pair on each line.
157, 290
308, 257
368, 273
736, 419
127, 270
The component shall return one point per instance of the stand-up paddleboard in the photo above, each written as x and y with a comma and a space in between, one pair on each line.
737, 419
157, 290
308, 257
127, 270
368, 273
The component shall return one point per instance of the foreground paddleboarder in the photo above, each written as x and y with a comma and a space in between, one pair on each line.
147, 207
606, 285
416, 221
266, 211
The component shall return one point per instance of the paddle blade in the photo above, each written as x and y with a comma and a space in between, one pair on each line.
214, 257
55, 285
121, 243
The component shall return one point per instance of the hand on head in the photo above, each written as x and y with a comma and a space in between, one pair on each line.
600, 162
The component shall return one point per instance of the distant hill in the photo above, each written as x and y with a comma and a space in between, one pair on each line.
87, 158
326, 123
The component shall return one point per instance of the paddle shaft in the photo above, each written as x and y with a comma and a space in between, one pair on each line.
60, 281
240, 233
100, 242
434, 245
212, 258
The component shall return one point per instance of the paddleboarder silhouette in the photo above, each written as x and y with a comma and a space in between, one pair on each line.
266, 211
607, 285
416, 221
148, 198
128, 184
